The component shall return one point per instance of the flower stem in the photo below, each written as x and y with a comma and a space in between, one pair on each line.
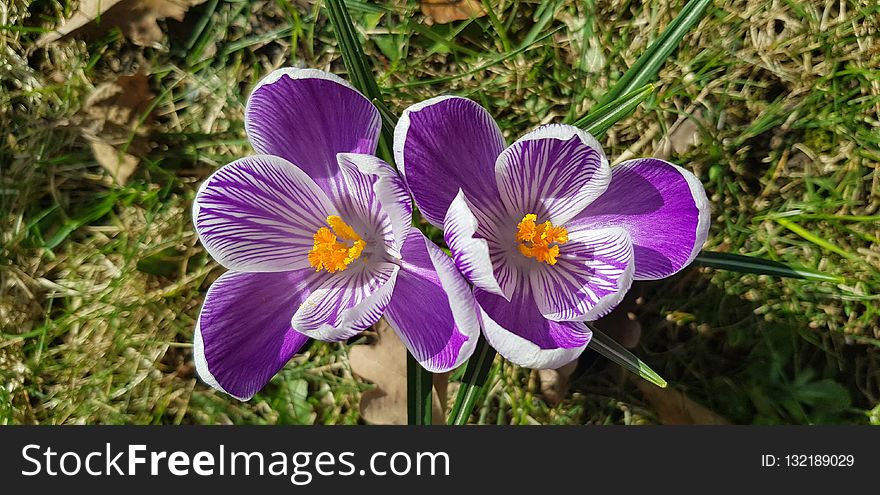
419, 383
473, 384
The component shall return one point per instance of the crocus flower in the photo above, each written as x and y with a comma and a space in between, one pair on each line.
315, 232
547, 232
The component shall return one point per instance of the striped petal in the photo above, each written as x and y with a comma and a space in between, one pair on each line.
258, 214
554, 172
377, 201
433, 308
344, 303
465, 234
662, 206
243, 335
307, 116
591, 276
444, 145
520, 333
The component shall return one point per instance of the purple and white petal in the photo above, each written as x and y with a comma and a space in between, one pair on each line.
470, 251
342, 304
520, 333
663, 206
259, 214
445, 144
554, 172
378, 197
307, 116
243, 335
433, 308
591, 276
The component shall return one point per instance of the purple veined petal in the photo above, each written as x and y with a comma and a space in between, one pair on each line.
243, 335
663, 206
591, 276
469, 250
344, 303
445, 144
520, 333
259, 214
377, 194
307, 116
433, 308
554, 172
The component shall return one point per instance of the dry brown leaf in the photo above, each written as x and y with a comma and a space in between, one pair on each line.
118, 164
114, 120
446, 11
135, 18
554, 383
675, 408
384, 363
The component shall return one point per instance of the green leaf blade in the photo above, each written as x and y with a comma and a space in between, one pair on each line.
750, 264
610, 349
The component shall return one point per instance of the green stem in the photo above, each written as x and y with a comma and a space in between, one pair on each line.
473, 384
419, 381
418, 392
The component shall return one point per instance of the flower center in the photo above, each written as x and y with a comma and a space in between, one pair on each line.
331, 254
540, 241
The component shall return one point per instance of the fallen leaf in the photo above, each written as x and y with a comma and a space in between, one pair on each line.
121, 104
446, 11
118, 164
675, 408
115, 121
554, 383
383, 362
135, 18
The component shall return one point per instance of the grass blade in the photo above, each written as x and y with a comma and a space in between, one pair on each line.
473, 384
609, 348
600, 120
645, 69
759, 266
419, 393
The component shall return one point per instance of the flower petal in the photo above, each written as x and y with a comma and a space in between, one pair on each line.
470, 252
258, 214
445, 144
377, 195
433, 308
663, 206
591, 276
344, 303
307, 116
554, 171
520, 333
243, 335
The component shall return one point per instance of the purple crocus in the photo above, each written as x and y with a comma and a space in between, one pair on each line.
547, 232
315, 232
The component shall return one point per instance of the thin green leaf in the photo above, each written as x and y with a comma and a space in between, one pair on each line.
473, 384
609, 348
822, 243
649, 63
600, 120
751, 264
419, 383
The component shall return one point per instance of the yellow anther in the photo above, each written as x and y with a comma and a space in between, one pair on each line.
328, 253
540, 241
342, 229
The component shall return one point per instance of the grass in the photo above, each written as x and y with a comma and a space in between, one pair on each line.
100, 284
